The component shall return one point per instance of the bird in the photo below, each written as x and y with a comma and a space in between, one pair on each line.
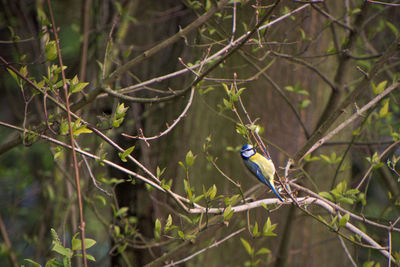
261, 166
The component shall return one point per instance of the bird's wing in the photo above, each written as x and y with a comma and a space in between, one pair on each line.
265, 165
259, 168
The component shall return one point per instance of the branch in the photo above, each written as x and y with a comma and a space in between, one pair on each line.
358, 113
303, 201
7, 243
308, 65
350, 99
182, 33
72, 140
119, 93
215, 244
378, 159
382, 3
178, 198
169, 128
343, 66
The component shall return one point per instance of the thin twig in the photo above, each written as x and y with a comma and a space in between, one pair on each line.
71, 134
169, 128
378, 159
182, 33
358, 113
211, 58
234, 20
179, 199
389, 247
7, 243
91, 173
329, 16
339, 208
308, 65
85, 42
347, 252
215, 244
280, 92
304, 201
382, 3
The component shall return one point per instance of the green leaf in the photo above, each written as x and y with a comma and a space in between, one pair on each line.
34, 263
57, 247
89, 242
126, 153
168, 224
322, 219
213, 192
51, 51
345, 218
119, 115
357, 131
88, 256
14, 75
227, 104
189, 159
257, 128
309, 158
54, 236
226, 88
289, 88
264, 206
305, 103
228, 213
117, 230
101, 199
77, 87
346, 200
208, 5
209, 89
352, 191
368, 264
303, 34
247, 247
24, 70
263, 251
76, 243
188, 189
326, 158
121, 212
379, 88
182, 165
334, 220
269, 228
392, 28
159, 172
81, 130
241, 129
181, 234
54, 263
256, 233
157, 229
384, 111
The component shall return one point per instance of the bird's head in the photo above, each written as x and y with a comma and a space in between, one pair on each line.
247, 151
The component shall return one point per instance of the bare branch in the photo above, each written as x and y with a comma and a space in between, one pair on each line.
357, 114
215, 244
303, 201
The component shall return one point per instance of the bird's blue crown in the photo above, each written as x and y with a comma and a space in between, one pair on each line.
247, 151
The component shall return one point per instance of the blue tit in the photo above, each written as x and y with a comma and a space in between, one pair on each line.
262, 167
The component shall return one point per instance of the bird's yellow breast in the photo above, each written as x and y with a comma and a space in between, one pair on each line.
266, 166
